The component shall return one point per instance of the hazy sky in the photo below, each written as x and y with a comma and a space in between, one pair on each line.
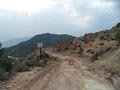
22, 18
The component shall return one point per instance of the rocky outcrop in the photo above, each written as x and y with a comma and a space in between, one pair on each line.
71, 44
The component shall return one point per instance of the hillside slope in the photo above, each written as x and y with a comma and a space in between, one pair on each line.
31, 45
92, 43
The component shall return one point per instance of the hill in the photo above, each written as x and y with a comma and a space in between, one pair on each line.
29, 46
92, 43
13, 42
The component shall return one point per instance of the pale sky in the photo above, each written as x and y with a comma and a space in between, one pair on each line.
24, 18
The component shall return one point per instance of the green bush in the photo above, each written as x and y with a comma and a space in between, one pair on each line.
6, 65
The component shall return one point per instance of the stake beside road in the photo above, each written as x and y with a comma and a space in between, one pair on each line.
40, 45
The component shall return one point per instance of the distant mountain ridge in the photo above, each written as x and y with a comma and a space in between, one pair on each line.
30, 45
13, 42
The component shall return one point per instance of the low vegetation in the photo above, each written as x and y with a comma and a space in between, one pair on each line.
6, 66
118, 37
9, 67
99, 54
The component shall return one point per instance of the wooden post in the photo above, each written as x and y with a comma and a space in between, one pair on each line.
40, 52
40, 45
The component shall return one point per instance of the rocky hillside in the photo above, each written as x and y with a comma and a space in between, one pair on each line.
73, 44
29, 46
92, 43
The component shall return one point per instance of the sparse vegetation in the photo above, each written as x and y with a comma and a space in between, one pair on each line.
108, 49
101, 44
89, 50
5, 65
66, 48
102, 37
1, 74
21, 67
118, 37
80, 51
98, 54
95, 57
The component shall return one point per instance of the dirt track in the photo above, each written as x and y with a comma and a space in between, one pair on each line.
58, 76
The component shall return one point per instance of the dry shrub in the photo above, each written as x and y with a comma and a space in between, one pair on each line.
1, 74
21, 68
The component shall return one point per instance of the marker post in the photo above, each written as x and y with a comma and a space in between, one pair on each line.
40, 45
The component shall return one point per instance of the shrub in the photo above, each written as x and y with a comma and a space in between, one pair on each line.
90, 44
89, 50
108, 49
1, 74
79, 45
6, 65
95, 57
80, 51
107, 35
118, 37
21, 68
66, 48
74, 48
101, 44
70, 42
92, 52
33, 63
102, 37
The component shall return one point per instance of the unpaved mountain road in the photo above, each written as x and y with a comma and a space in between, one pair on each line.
58, 76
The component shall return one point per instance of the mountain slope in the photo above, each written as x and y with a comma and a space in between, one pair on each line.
12, 42
92, 43
31, 45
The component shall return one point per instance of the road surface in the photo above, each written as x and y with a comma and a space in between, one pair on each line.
59, 76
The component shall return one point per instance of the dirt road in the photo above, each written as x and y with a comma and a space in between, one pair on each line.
58, 76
